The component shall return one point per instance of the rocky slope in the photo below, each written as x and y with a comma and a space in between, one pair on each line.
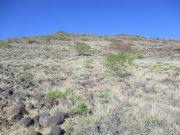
47, 87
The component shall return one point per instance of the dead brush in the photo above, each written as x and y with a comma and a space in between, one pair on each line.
121, 46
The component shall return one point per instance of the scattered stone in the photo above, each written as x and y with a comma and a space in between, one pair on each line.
27, 121
34, 133
44, 118
94, 130
55, 130
36, 120
49, 105
18, 111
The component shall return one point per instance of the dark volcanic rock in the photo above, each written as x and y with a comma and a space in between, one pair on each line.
56, 120
36, 120
41, 119
34, 133
18, 111
27, 121
55, 130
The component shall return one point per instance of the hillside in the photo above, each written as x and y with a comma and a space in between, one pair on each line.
68, 83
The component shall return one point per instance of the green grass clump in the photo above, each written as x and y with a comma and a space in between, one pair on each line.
118, 63
4, 44
26, 77
80, 108
82, 48
154, 120
88, 120
54, 94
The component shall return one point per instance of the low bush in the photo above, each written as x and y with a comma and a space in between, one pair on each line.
4, 44
30, 40
120, 46
82, 48
13, 40
176, 47
118, 63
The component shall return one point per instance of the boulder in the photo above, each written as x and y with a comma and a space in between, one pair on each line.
34, 133
27, 121
18, 111
55, 130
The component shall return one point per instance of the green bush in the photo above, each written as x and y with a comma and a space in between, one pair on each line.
4, 44
118, 63
82, 48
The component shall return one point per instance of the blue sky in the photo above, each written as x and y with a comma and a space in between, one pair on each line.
149, 18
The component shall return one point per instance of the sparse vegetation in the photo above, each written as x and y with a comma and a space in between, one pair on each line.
13, 40
80, 108
4, 44
154, 121
82, 48
48, 79
121, 46
30, 40
88, 63
118, 63
26, 77
54, 94
176, 47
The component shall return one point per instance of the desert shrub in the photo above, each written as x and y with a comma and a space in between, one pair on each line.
30, 40
85, 39
62, 36
82, 48
176, 47
54, 94
4, 44
138, 54
120, 46
118, 63
26, 77
48, 39
13, 40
